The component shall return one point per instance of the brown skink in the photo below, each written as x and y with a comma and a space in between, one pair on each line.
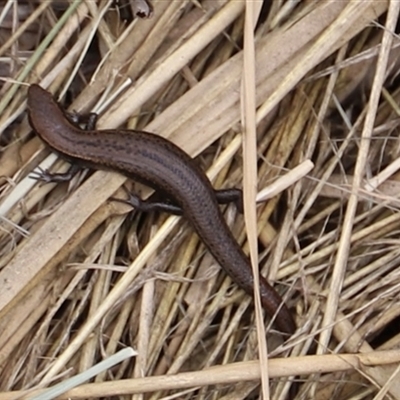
158, 163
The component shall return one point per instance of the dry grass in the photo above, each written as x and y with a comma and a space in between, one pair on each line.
80, 278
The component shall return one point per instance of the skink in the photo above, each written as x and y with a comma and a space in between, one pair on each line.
158, 163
